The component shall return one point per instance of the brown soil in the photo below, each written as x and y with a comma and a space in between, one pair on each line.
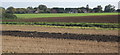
103, 38
13, 44
89, 19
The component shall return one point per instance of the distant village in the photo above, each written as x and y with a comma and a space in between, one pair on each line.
44, 9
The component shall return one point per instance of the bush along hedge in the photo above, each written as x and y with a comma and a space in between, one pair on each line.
8, 16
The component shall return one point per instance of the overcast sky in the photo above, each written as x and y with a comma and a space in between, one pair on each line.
58, 3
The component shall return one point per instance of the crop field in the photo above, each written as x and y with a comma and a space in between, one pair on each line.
75, 33
80, 19
60, 15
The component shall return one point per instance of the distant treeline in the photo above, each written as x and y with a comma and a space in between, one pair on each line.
44, 9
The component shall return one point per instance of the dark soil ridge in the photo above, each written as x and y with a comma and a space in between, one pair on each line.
78, 19
34, 34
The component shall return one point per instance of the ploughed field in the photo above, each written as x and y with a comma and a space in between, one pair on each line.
12, 44
87, 19
37, 39
103, 38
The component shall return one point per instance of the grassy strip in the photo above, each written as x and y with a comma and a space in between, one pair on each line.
111, 26
71, 27
97, 28
45, 15
101, 25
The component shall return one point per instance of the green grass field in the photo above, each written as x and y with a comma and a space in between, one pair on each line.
45, 15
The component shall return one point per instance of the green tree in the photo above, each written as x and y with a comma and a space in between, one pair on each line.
21, 11
30, 10
97, 9
8, 16
42, 8
118, 10
35, 8
82, 10
48, 10
5, 15
59, 10
109, 8
10, 10
67, 10
2, 10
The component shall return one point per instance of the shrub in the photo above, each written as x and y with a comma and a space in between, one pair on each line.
8, 16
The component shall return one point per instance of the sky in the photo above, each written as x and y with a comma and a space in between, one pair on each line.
58, 3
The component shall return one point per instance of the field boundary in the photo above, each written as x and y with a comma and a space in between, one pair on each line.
100, 26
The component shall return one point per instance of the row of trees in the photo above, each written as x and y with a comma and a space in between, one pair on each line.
5, 15
44, 9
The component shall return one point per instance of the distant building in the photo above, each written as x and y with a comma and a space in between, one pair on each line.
85, 11
36, 11
73, 11
53, 11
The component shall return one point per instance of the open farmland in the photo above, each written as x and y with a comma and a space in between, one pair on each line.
26, 31
87, 19
61, 28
